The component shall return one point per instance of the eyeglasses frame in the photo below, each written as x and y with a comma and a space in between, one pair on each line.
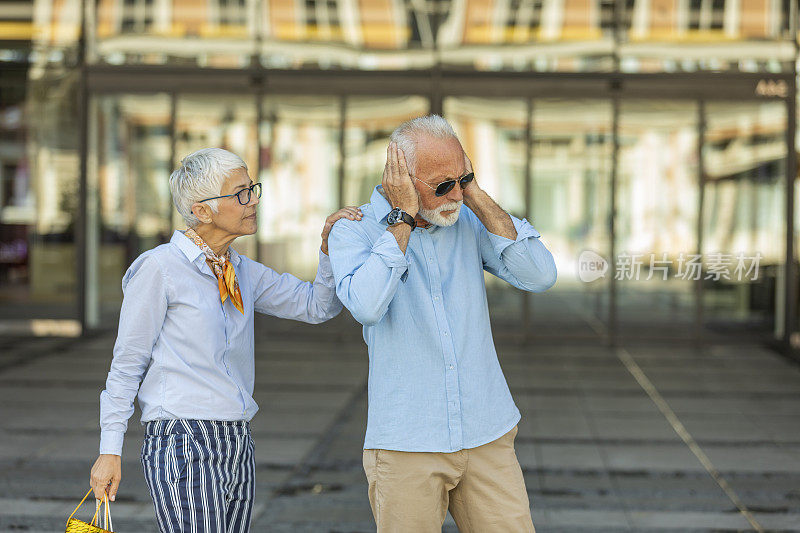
250, 190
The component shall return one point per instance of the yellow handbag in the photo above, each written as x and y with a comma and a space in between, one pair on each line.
77, 526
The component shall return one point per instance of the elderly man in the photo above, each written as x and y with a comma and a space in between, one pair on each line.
185, 345
441, 420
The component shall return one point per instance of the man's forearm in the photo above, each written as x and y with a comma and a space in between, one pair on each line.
491, 215
402, 232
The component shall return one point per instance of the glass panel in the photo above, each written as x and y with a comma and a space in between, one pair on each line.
129, 175
570, 169
368, 125
571, 198
38, 163
657, 205
220, 121
492, 132
300, 158
744, 214
39, 168
779, 325
17, 196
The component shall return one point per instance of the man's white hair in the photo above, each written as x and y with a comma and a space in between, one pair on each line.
408, 133
201, 175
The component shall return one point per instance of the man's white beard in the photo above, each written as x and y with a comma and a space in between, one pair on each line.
435, 216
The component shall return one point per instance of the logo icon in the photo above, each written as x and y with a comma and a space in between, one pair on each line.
591, 266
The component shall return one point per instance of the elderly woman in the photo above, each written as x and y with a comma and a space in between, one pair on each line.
185, 345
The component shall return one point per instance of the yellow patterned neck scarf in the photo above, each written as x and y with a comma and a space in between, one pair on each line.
223, 270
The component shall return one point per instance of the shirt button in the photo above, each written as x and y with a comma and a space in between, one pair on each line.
446, 334
436, 298
451, 367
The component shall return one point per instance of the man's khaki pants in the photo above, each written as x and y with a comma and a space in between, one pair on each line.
483, 487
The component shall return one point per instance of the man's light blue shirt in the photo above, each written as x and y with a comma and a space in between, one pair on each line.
193, 354
435, 384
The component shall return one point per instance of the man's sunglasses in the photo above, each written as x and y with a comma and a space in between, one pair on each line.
243, 196
447, 186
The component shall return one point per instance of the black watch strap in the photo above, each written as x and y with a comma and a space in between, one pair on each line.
402, 216
408, 219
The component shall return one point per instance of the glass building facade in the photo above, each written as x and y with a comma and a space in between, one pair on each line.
659, 135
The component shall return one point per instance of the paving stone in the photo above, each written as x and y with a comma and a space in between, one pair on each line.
587, 518
688, 519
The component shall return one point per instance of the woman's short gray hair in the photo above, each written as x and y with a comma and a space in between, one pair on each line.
407, 135
201, 175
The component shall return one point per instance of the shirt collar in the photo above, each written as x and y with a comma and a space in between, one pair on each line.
380, 205
235, 259
193, 252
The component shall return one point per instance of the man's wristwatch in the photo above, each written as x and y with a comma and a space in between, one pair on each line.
397, 216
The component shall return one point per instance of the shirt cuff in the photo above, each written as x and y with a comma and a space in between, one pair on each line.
524, 231
325, 269
111, 442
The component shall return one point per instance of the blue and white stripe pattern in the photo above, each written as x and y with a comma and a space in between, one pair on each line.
201, 475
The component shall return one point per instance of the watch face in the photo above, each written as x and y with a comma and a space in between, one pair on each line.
394, 216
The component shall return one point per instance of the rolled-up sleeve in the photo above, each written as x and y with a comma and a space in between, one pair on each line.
367, 274
524, 262
285, 296
144, 306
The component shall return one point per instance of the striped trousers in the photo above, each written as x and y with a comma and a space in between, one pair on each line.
201, 475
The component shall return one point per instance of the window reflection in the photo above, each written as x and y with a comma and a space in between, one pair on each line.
17, 197
559, 35
130, 165
300, 158
39, 167
657, 207
315, 153
369, 123
223, 121
745, 158
571, 165
493, 133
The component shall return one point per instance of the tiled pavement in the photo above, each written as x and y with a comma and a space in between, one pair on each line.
598, 453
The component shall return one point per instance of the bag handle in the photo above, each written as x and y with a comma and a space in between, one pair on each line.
107, 525
107, 514
110, 526
79, 506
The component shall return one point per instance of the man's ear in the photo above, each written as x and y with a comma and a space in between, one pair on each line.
202, 212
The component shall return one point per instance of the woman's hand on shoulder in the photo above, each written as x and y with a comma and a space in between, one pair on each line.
349, 212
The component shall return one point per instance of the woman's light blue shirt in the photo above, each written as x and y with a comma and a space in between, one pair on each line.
185, 353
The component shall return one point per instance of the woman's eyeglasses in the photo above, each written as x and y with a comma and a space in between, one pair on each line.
447, 186
243, 196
